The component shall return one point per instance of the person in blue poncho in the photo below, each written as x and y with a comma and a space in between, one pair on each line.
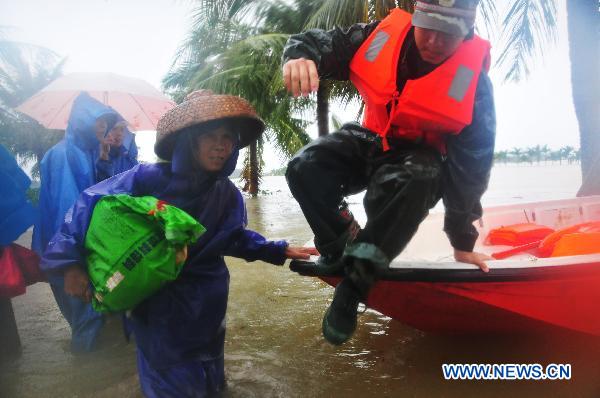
16, 215
118, 152
16, 212
180, 331
74, 163
67, 169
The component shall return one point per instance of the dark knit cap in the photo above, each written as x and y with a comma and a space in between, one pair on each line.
456, 17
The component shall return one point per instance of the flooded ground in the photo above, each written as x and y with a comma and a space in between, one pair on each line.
274, 345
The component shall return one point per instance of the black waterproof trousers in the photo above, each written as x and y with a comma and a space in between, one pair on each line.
401, 184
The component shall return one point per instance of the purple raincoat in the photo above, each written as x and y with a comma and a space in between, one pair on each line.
180, 331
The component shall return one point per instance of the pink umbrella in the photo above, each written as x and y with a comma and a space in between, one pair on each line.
136, 100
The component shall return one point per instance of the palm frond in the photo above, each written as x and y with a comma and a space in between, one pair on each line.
287, 17
528, 25
344, 92
407, 5
334, 13
336, 122
379, 9
24, 70
488, 12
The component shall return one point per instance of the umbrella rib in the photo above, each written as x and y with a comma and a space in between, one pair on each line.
142, 109
62, 107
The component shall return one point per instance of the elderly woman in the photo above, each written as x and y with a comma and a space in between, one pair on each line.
180, 331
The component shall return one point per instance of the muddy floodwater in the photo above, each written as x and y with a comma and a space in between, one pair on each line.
274, 345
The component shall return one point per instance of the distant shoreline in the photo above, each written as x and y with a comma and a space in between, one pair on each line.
281, 171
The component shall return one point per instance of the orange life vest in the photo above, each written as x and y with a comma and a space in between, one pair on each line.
517, 234
578, 239
428, 108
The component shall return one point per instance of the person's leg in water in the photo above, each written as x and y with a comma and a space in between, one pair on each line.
189, 379
319, 177
399, 195
86, 324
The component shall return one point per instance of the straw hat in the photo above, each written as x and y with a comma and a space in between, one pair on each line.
201, 107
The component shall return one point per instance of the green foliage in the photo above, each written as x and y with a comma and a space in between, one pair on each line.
235, 47
33, 194
278, 172
538, 154
27, 139
24, 70
527, 25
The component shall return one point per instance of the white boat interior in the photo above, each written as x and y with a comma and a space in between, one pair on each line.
430, 248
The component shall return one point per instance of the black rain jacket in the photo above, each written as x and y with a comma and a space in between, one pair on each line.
468, 162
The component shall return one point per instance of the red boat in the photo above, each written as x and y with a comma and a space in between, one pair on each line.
426, 289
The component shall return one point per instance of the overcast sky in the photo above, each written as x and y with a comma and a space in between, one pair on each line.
139, 38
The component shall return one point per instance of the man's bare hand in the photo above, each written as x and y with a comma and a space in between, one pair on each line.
475, 258
300, 253
300, 76
77, 283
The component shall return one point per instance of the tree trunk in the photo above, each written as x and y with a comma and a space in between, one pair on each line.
583, 19
323, 108
254, 169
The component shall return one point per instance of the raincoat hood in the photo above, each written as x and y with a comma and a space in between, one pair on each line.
72, 165
82, 121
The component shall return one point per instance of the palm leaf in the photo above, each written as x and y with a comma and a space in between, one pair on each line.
527, 25
489, 13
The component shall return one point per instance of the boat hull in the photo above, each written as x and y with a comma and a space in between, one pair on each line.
515, 301
425, 288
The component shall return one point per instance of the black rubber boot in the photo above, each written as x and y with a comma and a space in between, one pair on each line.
329, 264
339, 322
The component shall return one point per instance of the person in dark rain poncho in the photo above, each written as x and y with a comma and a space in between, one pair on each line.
428, 132
180, 331
68, 168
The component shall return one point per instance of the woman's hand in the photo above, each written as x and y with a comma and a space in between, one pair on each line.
105, 148
300, 253
181, 254
105, 144
77, 283
475, 258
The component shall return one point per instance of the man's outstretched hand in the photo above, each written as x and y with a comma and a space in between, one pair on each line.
300, 253
475, 258
300, 76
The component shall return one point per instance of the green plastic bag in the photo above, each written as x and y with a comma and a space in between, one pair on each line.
131, 246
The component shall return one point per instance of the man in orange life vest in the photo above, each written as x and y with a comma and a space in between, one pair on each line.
428, 133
